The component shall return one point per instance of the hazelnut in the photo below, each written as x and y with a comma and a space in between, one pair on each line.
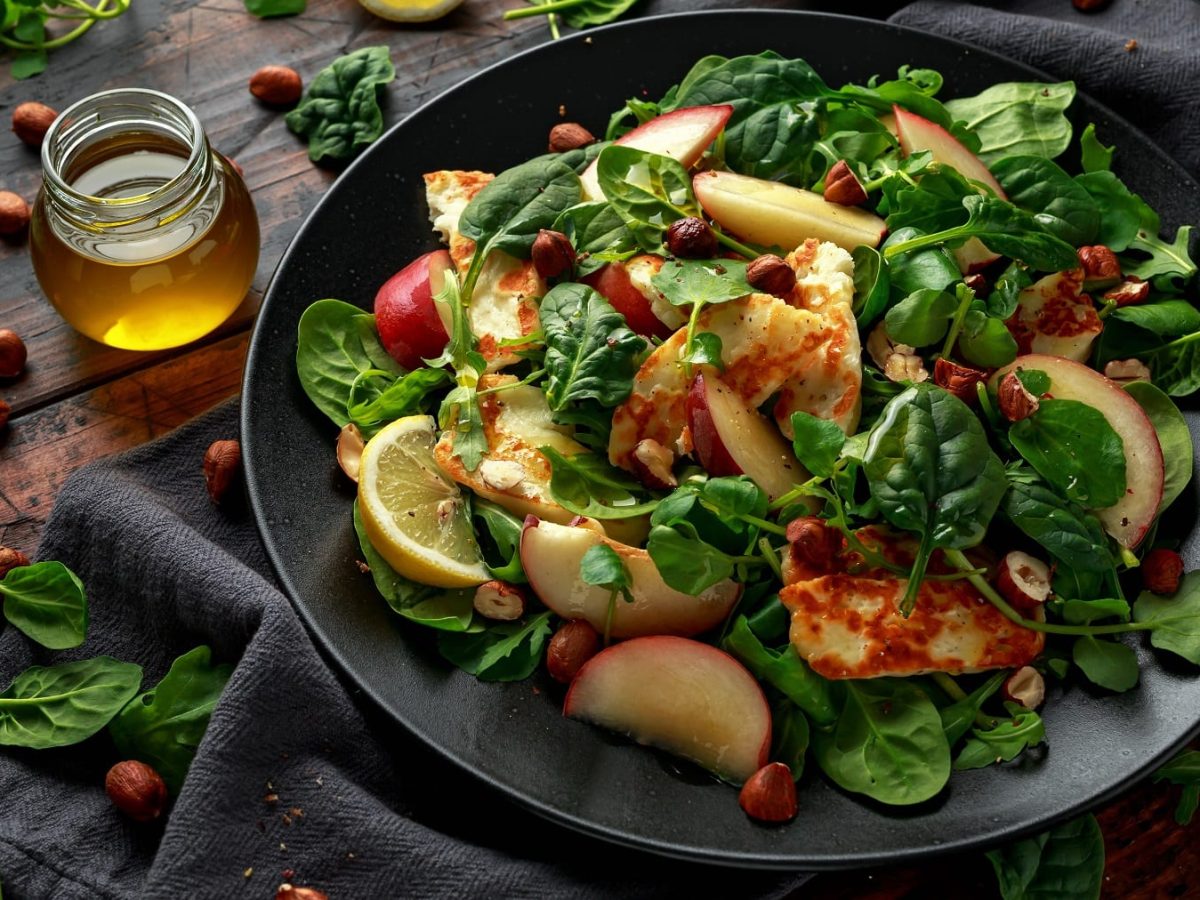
652, 464
958, 380
567, 136
11, 559
1089, 5
12, 354
691, 238
276, 85
1130, 291
136, 790
552, 253
1123, 371
291, 892
813, 542
1025, 686
771, 275
1161, 571
31, 120
14, 213
499, 601
501, 474
898, 362
1023, 581
350, 445
1016, 403
222, 462
769, 795
572, 645
1100, 266
843, 187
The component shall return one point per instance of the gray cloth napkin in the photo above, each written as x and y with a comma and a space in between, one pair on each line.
379, 814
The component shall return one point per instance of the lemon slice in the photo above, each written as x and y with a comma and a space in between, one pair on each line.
413, 515
410, 10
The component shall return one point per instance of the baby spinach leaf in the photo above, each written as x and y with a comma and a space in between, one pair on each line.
784, 670
1073, 446
335, 344
54, 706
587, 485
46, 602
1173, 436
933, 268
267, 9
505, 531
959, 717
1135, 331
932, 204
648, 192
1004, 740
339, 114
1041, 187
597, 232
719, 511
576, 13
687, 281
378, 397
1184, 770
1002, 301
1109, 664
1094, 156
789, 737
922, 318
888, 743
590, 352
1064, 863
818, 442
1124, 212
930, 468
507, 651
871, 284
1175, 620
164, 726
1017, 118
684, 561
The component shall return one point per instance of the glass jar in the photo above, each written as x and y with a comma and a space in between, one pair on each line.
142, 236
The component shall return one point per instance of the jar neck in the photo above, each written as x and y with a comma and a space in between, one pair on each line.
105, 126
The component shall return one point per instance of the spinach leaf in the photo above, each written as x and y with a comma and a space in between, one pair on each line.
1085, 612
932, 204
1041, 187
1064, 863
784, 670
598, 234
378, 397
1173, 436
922, 318
1124, 211
1093, 155
576, 13
1017, 118
507, 651
505, 531
54, 706
164, 726
1136, 331
789, 737
930, 468
1184, 770
587, 485
590, 352
1006, 292
959, 717
339, 114
933, 268
817, 443
1073, 446
46, 602
1110, 664
648, 192
1175, 620
267, 9
871, 284
888, 743
335, 344
1004, 740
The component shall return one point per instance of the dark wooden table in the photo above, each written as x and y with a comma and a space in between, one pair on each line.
78, 400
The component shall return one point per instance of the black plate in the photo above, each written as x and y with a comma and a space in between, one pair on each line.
374, 220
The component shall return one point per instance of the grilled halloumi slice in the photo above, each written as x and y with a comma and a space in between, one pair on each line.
806, 350
504, 304
846, 620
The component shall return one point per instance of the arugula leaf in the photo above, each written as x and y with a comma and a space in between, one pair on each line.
505, 531
817, 443
959, 717
1004, 740
590, 352
46, 602
1169, 266
1093, 155
339, 114
784, 670
1110, 664
587, 485
1064, 863
1061, 204
1175, 620
1184, 770
790, 736
1073, 446
1174, 437
164, 726
378, 397
266, 9
507, 651
459, 410
1017, 118
649, 192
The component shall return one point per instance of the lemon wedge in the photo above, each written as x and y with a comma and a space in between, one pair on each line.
409, 10
413, 515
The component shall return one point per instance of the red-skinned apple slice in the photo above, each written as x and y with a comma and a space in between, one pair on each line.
412, 326
683, 135
613, 283
973, 256
776, 215
917, 133
550, 555
681, 695
1129, 518
1054, 317
730, 439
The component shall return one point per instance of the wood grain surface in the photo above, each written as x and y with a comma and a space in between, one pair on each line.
78, 400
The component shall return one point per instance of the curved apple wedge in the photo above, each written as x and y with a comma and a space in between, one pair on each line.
412, 326
1129, 518
683, 135
776, 215
731, 439
613, 281
551, 554
917, 133
681, 695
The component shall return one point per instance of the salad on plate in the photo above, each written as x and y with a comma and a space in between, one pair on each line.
785, 425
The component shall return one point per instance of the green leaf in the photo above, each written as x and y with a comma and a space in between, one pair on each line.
790, 737
1123, 211
339, 114
817, 443
959, 717
54, 706
587, 485
1109, 664
590, 352
164, 726
266, 9
1184, 770
1094, 156
684, 561
596, 230
648, 192
706, 351
1174, 437
1073, 446
46, 602
507, 651
784, 670
505, 531
1017, 118
888, 743
1169, 266
602, 567
378, 397
1147, 330
27, 63
1060, 204
687, 281
871, 284
1004, 740
1064, 863
922, 318
984, 339
933, 269
1175, 620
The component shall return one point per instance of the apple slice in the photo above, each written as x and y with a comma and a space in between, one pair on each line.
973, 256
1055, 317
683, 135
550, 555
917, 133
776, 215
626, 286
1129, 518
411, 325
731, 439
681, 695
